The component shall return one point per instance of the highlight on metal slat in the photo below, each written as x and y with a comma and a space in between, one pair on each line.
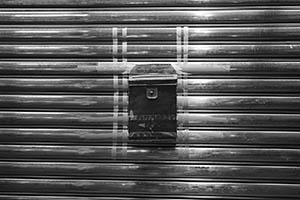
245, 67
114, 83
107, 102
245, 103
74, 186
90, 118
15, 118
153, 16
144, 3
137, 197
240, 85
122, 153
150, 171
238, 120
233, 67
213, 136
64, 102
108, 84
245, 136
155, 51
259, 32
62, 67
70, 135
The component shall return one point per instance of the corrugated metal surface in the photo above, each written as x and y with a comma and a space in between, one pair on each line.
64, 99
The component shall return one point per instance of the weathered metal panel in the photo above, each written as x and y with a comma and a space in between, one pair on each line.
64, 99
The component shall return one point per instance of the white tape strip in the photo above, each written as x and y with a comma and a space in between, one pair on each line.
179, 44
121, 147
124, 128
183, 125
124, 45
124, 141
186, 143
185, 95
115, 44
184, 152
124, 112
119, 150
115, 117
87, 67
185, 44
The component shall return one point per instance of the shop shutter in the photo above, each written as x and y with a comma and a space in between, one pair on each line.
149, 99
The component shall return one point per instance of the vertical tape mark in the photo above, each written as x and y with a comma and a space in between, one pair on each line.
124, 44
124, 127
115, 44
184, 152
179, 44
186, 113
119, 148
115, 117
123, 84
125, 111
182, 44
185, 44
182, 58
183, 126
185, 91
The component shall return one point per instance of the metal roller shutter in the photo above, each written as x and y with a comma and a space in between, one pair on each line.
69, 72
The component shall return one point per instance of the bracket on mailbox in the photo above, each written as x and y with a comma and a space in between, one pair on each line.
153, 104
